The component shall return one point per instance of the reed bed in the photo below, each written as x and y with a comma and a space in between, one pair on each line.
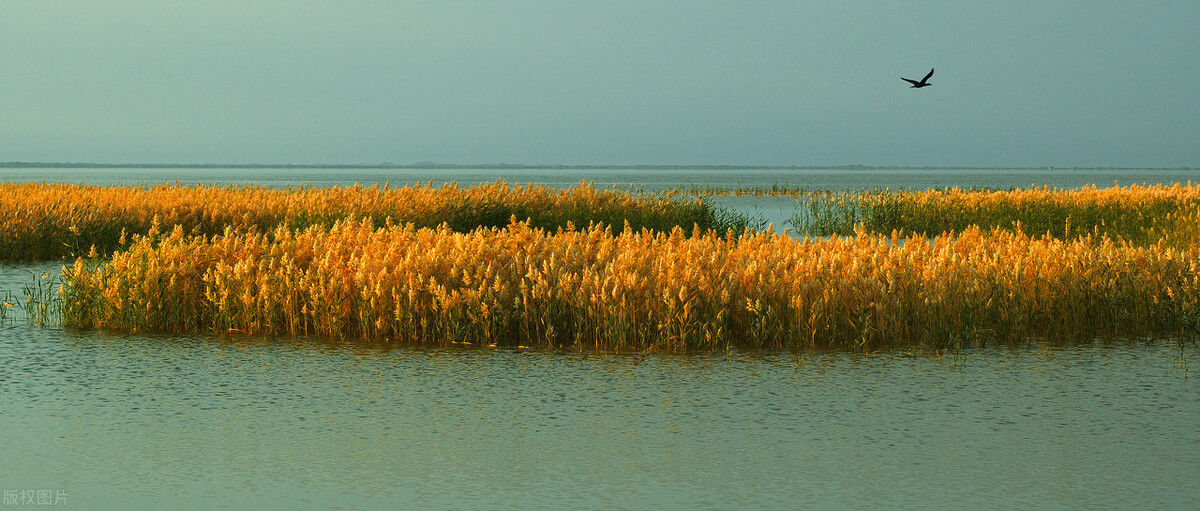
1141, 214
49, 221
593, 288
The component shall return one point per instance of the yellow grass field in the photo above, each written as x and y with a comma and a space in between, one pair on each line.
1142, 214
48, 221
592, 288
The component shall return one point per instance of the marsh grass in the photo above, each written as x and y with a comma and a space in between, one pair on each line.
954, 269
51, 221
40, 301
1137, 213
6, 306
638, 290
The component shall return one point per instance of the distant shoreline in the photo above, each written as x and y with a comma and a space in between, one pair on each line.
501, 166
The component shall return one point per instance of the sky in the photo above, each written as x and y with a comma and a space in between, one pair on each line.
1020, 83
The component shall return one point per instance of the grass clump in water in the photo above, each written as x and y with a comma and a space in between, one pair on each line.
50, 221
1139, 214
640, 290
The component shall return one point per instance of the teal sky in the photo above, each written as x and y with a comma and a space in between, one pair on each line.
789, 82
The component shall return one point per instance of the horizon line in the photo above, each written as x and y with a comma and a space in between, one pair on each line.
543, 166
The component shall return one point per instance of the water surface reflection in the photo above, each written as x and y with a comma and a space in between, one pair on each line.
143, 420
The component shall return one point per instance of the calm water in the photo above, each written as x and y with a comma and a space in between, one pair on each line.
137, 421
647, 179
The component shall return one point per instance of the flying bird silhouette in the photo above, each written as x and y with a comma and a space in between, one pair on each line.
923, 83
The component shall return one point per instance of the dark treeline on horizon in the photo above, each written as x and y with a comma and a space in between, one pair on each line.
436, 165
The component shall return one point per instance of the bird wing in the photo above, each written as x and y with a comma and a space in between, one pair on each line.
914, 82
926, 79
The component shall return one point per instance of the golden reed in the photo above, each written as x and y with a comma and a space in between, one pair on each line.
640, 290
1141, 214
48, 221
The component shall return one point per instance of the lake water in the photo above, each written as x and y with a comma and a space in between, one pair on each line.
648, 179
144, 422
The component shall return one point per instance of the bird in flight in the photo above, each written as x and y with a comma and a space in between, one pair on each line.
923, 83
